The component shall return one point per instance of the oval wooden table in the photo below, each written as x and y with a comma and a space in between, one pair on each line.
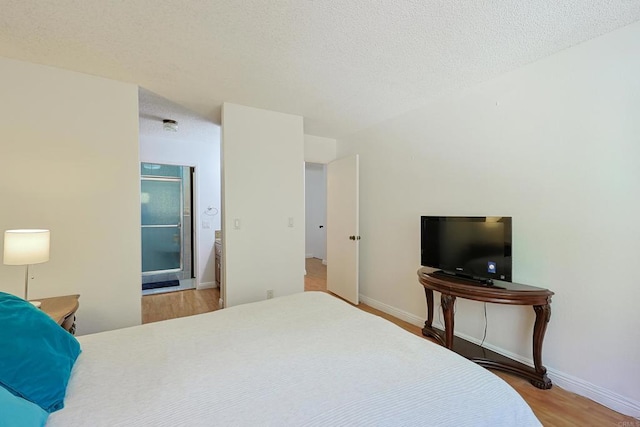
451, 287
62, 310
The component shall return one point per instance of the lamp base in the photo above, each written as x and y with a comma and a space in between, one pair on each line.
36, 304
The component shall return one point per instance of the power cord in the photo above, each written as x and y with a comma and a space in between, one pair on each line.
484, 336
485, 324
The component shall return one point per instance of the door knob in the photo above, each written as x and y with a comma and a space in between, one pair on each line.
352, 237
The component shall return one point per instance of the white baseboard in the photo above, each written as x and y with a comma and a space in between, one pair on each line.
400, 314
596, 393
568, 382
206, 285
308, 255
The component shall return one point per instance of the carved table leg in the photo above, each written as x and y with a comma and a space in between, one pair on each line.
543, 314
447, 308
429, 294
428, 330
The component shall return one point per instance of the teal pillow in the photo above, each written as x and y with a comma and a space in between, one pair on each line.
19, 412
36, 354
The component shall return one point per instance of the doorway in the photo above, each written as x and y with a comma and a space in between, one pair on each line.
166, 195
315, 185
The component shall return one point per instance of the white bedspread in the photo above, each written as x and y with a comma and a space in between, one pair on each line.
303, 360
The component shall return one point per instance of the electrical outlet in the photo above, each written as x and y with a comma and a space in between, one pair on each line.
269, 293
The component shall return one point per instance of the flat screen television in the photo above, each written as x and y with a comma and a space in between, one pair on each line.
477, 248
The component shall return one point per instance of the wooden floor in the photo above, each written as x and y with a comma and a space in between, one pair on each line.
555, 407
171, 305
316, 277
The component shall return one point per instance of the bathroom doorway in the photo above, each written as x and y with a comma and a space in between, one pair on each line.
166, 205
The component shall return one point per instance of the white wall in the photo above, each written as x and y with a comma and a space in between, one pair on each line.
203, 152
315, 186
318, 149
69, 150
556, 145
263, 167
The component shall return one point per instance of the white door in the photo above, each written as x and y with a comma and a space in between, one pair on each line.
343, 228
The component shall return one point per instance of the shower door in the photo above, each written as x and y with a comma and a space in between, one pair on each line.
165, 222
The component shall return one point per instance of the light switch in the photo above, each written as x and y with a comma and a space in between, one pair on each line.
236, 223
290, 221
206, 224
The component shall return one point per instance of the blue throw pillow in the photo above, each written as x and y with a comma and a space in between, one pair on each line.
36, 354
19, 412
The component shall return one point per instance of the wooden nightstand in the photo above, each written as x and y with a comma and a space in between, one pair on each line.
62, 310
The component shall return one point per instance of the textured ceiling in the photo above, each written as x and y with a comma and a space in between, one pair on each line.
343, 65
191, 126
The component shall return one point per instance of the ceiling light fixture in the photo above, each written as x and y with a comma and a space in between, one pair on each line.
170, 125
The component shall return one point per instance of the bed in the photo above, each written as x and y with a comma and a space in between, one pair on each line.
308, 359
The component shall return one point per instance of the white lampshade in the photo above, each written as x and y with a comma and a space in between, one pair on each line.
23, 247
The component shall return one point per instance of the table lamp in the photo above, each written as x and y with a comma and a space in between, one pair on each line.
26, 247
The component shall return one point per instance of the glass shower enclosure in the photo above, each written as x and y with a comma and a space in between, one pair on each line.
166, 225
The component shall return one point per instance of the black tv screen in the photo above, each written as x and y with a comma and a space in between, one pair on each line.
473, 247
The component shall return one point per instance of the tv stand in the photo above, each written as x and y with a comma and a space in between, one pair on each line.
452, 287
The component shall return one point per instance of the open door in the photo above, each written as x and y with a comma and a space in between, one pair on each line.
343, 233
